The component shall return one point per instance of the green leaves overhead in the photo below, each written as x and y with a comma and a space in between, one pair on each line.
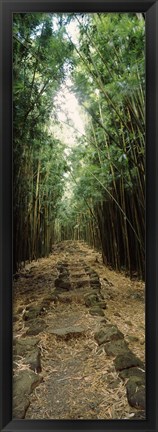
108, 167
96, 186
39, 56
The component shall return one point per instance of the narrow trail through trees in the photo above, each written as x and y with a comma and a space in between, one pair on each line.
78, 180
78, 344
79, 135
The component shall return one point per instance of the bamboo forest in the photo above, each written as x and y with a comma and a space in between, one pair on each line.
78, 215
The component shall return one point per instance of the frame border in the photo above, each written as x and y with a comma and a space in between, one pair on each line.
150, 8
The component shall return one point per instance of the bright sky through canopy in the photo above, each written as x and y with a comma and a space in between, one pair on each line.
67, 107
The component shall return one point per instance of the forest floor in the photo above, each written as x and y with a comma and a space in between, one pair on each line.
74, 321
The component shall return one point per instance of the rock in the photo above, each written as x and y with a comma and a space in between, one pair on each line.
47, 300
33, 331
20, 407
64, 298
127, 360
57, 291
62, 284
103, 321
114, 384
51, 297
80, 283
96, 291
77, 275
87, 269
93, 274
67, 331
61, 266
28, 349
102, 304
22, 346
15, 361
116, 347
63, 275
91, 299
44, 306
138, 296
128, 323
36, 327
136, 392
23, 384
33, 358
95, 287
108, 333
96, 310
140, 415
94, 281
132, 338
132, 371
32, 312
29, 315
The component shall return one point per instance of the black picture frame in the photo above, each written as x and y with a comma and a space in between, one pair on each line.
150, 8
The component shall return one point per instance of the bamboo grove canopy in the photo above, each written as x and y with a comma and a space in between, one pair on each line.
104, 171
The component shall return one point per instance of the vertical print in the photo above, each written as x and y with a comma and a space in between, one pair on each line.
79, 216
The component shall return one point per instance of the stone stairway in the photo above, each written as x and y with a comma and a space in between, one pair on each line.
74, 279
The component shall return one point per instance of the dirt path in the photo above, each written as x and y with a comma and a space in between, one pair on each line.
61, 305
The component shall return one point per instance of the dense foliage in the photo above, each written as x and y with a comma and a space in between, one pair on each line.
39, 55
106, 167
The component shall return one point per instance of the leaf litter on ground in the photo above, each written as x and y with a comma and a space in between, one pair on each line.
77, 375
